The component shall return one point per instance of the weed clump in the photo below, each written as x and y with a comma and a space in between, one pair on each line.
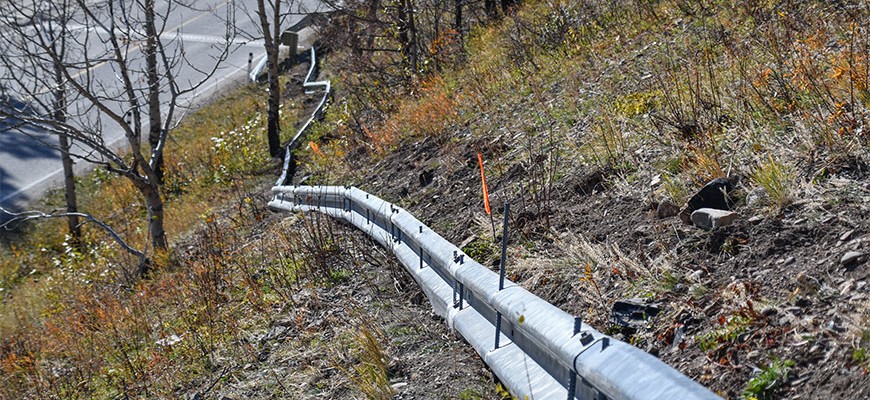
765, 385
777, 179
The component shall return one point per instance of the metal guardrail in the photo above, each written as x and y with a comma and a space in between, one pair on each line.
537, 350
254, 73
542, 349
294, 143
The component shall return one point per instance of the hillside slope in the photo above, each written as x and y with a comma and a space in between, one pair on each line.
598, 121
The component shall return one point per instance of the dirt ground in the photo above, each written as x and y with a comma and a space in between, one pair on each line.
311, 349
733, 300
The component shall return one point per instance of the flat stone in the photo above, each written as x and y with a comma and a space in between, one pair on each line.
846, 287
696, 276
846, 235
851, 257
755, 219
666, 209
709, 218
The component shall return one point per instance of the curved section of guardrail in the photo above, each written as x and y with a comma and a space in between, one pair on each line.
541, 351
309, 86
254, 74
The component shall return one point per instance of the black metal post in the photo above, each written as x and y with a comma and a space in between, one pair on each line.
501, 267
572, 381
497, 328
503, 261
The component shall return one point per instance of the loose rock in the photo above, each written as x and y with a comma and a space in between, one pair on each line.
755, 219
846, 287
709, 218
666, 209
756, 197
696, 276
713, 195
633, 313
851, 257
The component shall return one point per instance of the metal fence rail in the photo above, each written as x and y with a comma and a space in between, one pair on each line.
542, 350
310, 86
536, 349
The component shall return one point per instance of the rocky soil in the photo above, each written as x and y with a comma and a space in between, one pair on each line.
728, 302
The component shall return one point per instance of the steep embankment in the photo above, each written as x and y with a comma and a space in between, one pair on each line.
598, 122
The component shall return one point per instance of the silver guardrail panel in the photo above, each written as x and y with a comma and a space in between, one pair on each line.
539, 354
310, 86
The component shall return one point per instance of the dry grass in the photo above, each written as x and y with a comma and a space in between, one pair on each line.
778, 181
76, 322
712, 84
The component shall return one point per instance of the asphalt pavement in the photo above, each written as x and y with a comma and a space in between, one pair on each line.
29, 168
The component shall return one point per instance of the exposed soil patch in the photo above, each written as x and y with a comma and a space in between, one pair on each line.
770, 286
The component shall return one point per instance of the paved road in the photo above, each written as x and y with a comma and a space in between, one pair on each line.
28, 168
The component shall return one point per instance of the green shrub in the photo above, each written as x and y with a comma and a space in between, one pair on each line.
765, 385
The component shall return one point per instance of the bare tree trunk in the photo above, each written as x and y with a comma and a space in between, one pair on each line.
458, 20
407, 34
490, 7
271, 42
412, 34
372, 15
154, 115
59, 114
154, 205
69, 182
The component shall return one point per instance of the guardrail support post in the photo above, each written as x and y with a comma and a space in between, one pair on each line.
503, 261
455, 285
422, 253
572, 381
501, 267
497, 329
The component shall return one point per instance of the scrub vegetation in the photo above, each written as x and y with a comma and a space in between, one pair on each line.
589, 115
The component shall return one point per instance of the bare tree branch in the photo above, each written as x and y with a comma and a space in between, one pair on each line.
25, 216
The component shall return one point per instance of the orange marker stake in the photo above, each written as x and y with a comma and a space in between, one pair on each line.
483, 180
